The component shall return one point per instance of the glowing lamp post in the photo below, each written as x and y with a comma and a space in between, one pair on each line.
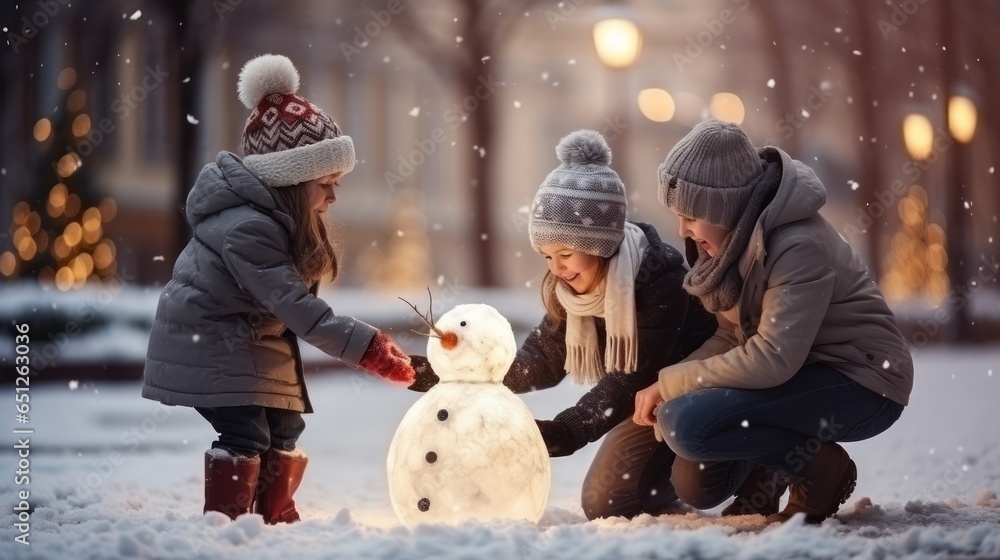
962, 117
618, 42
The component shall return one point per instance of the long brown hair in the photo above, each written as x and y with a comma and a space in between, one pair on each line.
553, 308
312, 250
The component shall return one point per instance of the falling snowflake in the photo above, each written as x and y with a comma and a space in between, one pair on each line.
484, 237
572, 61
545, 76
608, 412
459, 39
770, 83
158, 258
856, 52
136, 15
854, 184
440, 280
885, 364
195, 337
192, 120
989, 373
485, 58
415, 112
399, 233
73, 384
517, 104
967, 204
991, 170
745, 423
386, 59
804, 113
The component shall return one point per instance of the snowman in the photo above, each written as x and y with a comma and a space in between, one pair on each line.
469, 449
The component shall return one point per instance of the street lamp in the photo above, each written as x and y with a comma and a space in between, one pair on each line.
618, 42
962, 118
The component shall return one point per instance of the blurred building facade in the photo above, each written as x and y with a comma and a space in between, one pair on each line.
455, 108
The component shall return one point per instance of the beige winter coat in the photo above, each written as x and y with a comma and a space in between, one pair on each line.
806, 298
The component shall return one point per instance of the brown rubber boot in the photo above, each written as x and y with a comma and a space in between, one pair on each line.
230, 482
820, 488
760, 494
280, 476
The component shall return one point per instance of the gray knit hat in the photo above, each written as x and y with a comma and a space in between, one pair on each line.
581, 204
710, 173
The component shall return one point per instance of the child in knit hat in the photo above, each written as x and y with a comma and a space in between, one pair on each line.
616, 314
807, 352
224, 336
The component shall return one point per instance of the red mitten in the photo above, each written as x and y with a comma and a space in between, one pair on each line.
386, 359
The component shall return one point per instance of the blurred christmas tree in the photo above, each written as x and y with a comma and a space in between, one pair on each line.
917, 261
58, 232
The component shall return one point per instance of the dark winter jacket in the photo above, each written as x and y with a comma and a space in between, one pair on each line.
671, 324
226, 323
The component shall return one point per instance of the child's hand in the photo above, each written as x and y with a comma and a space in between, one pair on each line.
426, 378
387, 360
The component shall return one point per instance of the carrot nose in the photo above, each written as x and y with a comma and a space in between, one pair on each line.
449, 340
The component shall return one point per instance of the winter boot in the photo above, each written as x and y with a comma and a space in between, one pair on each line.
820, 488
280, 475
230, 481
759, 495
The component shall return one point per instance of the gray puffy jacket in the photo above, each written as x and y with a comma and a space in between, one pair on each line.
226, 323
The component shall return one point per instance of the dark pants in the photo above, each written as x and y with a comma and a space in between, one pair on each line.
716, 450
780, 428
633, 474
252, 430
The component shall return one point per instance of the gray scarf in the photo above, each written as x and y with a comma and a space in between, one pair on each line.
716, 281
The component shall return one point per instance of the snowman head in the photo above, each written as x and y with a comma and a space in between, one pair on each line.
472, 343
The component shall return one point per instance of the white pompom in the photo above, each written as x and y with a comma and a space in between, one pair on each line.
584, 146
269, 73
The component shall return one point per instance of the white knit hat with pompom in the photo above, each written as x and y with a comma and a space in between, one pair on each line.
580, 204
287, 140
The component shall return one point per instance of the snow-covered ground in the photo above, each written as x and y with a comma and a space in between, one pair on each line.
115, 476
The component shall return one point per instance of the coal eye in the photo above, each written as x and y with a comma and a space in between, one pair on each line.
462, 324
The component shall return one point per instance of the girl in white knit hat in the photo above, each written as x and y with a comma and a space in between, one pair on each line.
224, 339
807, 352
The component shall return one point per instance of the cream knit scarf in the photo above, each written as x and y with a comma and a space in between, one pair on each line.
716, 281
615, 301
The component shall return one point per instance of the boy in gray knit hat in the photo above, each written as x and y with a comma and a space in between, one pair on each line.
806, 344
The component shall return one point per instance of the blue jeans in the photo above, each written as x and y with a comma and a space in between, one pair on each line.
252, 430
780, 428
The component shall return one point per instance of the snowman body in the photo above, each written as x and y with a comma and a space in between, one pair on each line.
469, 449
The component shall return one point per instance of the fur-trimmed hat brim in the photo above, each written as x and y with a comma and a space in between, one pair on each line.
297, 165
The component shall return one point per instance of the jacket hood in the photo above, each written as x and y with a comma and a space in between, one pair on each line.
800, 194
228, 184
667, 257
